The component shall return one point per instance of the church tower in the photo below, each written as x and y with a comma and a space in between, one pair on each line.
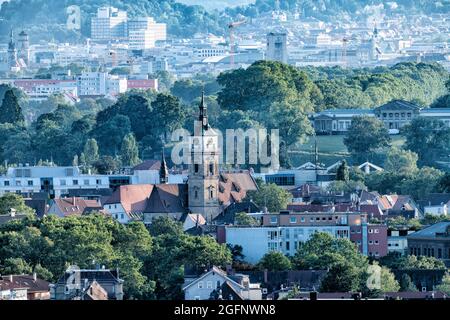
203, 181
12, 52
23, 47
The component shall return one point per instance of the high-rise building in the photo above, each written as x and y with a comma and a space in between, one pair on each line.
277, 47
143, 32
110, 24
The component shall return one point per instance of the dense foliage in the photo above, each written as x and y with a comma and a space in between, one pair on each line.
152, 265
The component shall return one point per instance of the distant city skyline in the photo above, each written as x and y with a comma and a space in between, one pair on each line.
217, 4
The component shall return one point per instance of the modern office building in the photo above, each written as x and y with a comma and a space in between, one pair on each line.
110, 24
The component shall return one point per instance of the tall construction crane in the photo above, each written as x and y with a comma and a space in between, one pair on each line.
231, 28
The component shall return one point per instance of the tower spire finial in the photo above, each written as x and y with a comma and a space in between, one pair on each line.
203, 117
163, 171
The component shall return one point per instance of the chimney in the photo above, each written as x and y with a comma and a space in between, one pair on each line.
11, 278
74, 201
265, 275
34, 276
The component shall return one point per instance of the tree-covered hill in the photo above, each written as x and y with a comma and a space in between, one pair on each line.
46, 19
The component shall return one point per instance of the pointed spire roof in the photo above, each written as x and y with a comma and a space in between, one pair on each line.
203, 117
11, 45
163, 171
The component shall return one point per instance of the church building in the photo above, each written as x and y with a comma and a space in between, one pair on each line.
208, 191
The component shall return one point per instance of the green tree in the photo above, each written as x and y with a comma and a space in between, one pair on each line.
243, 219
365, 135
445, 285
90, 152
406, 284
129, 153
403, 162
427, 137
424, 182
342, 277
271, 196
10, 111
274, 261
15, 266
106, 165
13, 201
343, 172
388, 281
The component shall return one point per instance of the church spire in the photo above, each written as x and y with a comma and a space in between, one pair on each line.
203, 117
163, 171
11, 45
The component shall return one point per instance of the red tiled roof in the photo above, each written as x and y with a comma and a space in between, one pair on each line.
76, 206
148, 165
233, 186
133, 198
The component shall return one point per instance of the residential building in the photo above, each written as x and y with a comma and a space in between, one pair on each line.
65, 207
397, 240
435, 204
277, 47
394, 114
23, 287
110, 24
55, 181
100, 84
432, 241
88, 284
128, 202
284, 231
217, 284
193, 221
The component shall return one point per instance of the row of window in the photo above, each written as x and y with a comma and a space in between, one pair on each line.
62, 182
429, 252
209, 284
293, 220
397, 115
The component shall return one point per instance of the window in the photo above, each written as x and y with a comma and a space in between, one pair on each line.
376, 242
370, 242
75, 182
211, 169
62, 182
195, 194
211, 194
288, 246
209, 285
200, 285
302, 219
376, 230
218, 284
121, 216
439, 252
273, 219
30, 182
6, 183
370, 230
196, 168
98, 181
86, 182
293, 220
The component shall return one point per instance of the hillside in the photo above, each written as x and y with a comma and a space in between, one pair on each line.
46, 19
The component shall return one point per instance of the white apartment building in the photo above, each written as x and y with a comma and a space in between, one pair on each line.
110, 24
56, 181
100, 84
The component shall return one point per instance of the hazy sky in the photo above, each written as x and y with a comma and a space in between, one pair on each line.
217, 4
